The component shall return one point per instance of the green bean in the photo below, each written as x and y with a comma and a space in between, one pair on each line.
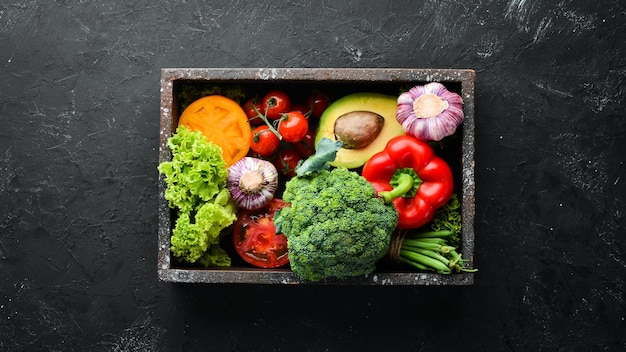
430, 234
426, 260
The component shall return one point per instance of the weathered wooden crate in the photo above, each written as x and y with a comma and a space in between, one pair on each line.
338, 80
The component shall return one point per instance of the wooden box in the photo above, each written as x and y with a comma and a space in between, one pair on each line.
339, 81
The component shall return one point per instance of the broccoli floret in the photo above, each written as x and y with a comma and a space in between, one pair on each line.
335, 225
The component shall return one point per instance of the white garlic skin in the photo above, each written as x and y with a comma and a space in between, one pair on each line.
433, 128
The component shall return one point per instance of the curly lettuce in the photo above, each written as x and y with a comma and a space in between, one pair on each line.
196, 187
449, 218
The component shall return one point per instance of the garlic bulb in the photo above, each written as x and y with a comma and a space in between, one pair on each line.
430, 112
252, 182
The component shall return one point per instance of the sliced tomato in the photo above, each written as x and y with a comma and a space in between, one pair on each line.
255, 237
222, 121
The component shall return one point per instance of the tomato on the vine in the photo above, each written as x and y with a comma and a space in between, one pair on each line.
255, 237
306, 147
317, 103
301, 108
293, 126
263, 141
286, 161
252, 108
275, 103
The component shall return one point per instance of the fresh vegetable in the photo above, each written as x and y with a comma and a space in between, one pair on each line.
409, 174
252, 182
255, 238
449, 218
301, 108
275, 103
263, 141
286, 161
293, 126
306, 147
223, 122
335, 225
435, 249
326, 151
196, 237
381, 104
430, 112
195, 181
317, 102
430, 250
253, 109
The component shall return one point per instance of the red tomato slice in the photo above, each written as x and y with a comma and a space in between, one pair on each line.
255, 237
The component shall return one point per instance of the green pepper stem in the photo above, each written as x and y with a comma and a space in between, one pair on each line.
405, 184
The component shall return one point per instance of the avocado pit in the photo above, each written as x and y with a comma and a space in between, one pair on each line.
357, 129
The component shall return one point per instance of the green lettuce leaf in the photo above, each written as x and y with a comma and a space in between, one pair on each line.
196, 187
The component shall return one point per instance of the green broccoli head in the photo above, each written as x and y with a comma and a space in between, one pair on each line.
335, 225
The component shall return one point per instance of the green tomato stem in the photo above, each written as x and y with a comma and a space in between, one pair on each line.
268, 123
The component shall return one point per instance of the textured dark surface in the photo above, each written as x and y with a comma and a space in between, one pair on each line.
79, 109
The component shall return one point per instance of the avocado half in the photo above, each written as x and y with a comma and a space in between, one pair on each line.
381, 104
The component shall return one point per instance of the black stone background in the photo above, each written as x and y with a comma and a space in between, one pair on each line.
79, 110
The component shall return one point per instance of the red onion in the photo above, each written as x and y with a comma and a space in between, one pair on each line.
430, 112
252, 182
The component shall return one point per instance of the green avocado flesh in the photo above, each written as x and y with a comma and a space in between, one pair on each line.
381, 104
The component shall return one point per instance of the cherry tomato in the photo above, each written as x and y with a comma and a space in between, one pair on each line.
276, 103
255, 237
301, 108
317, 103
286, 161
293, 126
253, 115
306, 147
263, 141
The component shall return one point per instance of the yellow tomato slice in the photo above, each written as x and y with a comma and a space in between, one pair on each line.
222, 121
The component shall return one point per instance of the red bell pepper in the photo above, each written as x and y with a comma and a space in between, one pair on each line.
409, 174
